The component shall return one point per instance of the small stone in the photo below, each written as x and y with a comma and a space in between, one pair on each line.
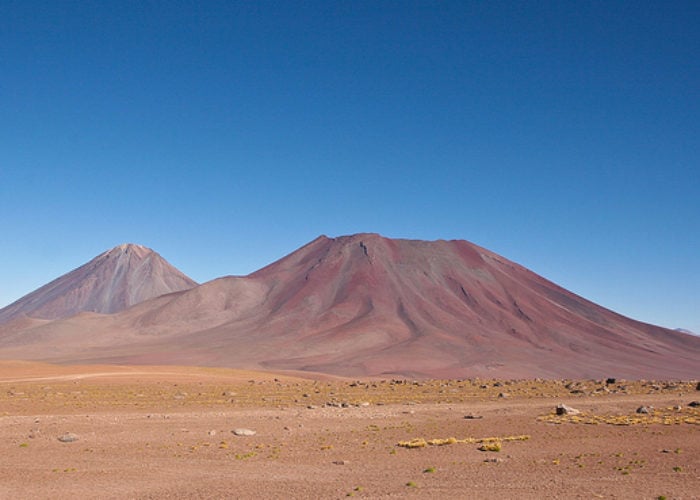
610, 381
563, 409
212, 432
68, 437
494, 460
341, 462
472, 417
645, 409
243, 432
364, 403
694, 404
503, 395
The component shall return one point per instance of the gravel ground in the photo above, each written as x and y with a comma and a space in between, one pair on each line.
149, 432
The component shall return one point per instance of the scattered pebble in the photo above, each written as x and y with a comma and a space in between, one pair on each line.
243, 432
68, 437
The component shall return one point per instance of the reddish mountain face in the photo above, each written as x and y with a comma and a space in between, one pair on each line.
111, 282
364, 305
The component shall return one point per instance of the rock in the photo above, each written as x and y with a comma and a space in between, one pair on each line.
697, 387
68, 437
610, 381
694, 404
563, 409
212, 433
494, 460
503, 395
472, 417
341, 462
645, 409
243, 432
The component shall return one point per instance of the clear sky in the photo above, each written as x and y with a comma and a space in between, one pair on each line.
563, 135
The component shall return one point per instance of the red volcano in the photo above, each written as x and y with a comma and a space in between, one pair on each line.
367, 305
111, 282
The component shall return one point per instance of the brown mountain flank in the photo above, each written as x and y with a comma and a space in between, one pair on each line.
111, 282
365, 305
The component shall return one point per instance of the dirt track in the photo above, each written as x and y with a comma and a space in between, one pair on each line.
166, 433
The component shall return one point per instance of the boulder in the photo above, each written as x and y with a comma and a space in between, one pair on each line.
563, 409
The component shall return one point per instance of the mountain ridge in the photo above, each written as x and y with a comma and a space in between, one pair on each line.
365, 305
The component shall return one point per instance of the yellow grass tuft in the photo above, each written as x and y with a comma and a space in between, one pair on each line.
488, 441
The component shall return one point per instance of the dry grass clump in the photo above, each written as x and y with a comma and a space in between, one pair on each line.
486, 441
664, 416
494, 446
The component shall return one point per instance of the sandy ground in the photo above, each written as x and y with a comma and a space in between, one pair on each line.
166, 432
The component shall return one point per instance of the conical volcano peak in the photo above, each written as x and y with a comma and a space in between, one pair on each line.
130, 249
114, 280
125, 247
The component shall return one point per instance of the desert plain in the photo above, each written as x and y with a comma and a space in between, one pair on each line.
171, 432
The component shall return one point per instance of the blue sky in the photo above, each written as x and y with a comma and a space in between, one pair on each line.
563, 135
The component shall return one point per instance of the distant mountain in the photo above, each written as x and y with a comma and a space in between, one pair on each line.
365, 305
111, 282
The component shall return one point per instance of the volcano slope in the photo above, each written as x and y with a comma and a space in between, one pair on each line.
111, 282
365, 305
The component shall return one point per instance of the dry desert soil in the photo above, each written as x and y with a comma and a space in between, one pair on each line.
167, 432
